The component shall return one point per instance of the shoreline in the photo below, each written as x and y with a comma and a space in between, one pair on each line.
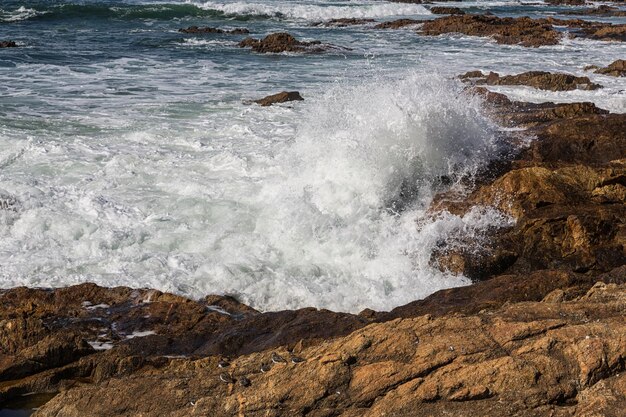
78, 339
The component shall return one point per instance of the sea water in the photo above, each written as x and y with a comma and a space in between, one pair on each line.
129, 154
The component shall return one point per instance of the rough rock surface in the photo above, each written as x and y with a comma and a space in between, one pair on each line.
282, 97
523, 30
539, 79
446, 10
615, 69
397, 24
559, 356
195, 30
281, 42
602, 10
8, 44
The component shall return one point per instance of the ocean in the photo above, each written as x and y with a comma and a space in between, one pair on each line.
130, 154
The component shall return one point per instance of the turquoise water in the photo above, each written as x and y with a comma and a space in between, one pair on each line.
128, 154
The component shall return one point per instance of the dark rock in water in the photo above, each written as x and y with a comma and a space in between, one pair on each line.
566, 2
207, 30
538, 79
8, 44
615, 69
603, 10
343, 22
282, 97
281, 42
446, 10
506, 30
397, 24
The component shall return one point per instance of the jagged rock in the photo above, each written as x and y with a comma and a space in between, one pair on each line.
615, 69
605, 32
446, 10
522, 30
343, 22
538, 79
397, 24
531, 358
8, 44
282, 97
281, 42
207, 30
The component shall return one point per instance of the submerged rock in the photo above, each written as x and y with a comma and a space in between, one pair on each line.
282, 97
281, 42
398, 24
538, 79
446, 10
208, 30
343, 22
615, 69
8, 44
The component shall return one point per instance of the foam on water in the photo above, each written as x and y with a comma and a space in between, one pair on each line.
316, 12
327, 217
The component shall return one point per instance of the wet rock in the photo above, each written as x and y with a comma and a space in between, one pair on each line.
538, 79
281, 42
446, 10
523, 30
604, 32
397, 24
529, 358
602, 10
282, 97
343, 22
195, 30
615, 69
8, 44
566, 2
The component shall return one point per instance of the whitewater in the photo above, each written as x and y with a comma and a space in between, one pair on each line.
130, 155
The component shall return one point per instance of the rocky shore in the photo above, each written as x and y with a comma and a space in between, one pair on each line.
541, 332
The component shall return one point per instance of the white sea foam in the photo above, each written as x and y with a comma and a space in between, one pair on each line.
21, 13
315, 12
324, 215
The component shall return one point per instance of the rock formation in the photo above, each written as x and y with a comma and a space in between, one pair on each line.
615, 69
8, 44
195, 30
538, 79
282, 97
281, 42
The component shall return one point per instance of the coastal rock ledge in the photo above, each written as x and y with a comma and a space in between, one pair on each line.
541, 332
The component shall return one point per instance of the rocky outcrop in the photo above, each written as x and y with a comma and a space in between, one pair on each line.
343, 22
523, 30
538, 79
282, 97
446, 10
398, 24
195, 30
281, 42
615, 69
566, 191
604, 32
561, 355
8, 44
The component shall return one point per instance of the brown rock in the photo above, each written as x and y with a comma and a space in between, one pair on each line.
605, 32
343, 22
282, 97
195, 30
528, 358
8, 44
615, 69
538, 79
281, 42
446, 10
522, 30
397, 24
